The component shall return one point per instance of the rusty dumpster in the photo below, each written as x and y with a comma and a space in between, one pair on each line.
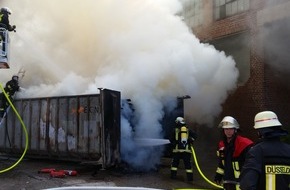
75, 128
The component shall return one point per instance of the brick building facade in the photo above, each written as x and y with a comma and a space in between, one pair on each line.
257, 34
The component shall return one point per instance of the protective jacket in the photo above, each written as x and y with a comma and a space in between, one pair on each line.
231, 157
181, 150
10, 88
4, 21
267, 166
182, 139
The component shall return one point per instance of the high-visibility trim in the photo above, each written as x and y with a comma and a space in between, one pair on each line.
261, 120
236, 168
181, 150
220, 171
270, 181
189, 171
237, 174
272, 171
176, 133
277, 169
234, 183
174, 168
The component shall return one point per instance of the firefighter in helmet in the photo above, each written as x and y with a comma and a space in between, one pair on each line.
181, 141
4, 19
231, 152
5, 26
10, 88
267, 164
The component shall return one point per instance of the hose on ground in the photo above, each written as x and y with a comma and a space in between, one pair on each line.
200, 172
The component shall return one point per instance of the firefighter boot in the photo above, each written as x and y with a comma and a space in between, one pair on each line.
189, 176
173, 174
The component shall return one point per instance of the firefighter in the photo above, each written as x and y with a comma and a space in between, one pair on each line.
4, 19
267, 164
181, 141
10, 88
231, 153
4, 23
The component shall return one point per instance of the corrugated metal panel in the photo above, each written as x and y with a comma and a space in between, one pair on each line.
80, 128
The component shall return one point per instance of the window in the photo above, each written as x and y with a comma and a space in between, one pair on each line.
226, 8
238, 47
193, 12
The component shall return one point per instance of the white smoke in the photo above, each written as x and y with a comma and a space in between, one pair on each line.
138, 47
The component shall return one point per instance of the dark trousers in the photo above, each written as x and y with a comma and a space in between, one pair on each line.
230, 186
186, 157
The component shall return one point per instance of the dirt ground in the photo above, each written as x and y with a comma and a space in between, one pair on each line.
25, 176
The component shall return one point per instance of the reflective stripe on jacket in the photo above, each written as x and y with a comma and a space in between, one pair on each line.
240, 147
267, 166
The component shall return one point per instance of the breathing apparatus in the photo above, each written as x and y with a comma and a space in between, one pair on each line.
183, 130
183, 135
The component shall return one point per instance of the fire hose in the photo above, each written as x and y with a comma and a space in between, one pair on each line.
183, 131
200, 172
24, 130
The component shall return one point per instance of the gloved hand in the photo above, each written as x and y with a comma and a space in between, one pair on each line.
14, 28
218, 178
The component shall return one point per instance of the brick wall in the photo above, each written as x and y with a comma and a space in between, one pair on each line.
262, 91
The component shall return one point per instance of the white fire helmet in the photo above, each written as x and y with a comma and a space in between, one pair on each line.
266, 119
180, 120
6, 9
229, 122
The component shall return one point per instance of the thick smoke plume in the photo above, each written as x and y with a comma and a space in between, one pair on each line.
141, 48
